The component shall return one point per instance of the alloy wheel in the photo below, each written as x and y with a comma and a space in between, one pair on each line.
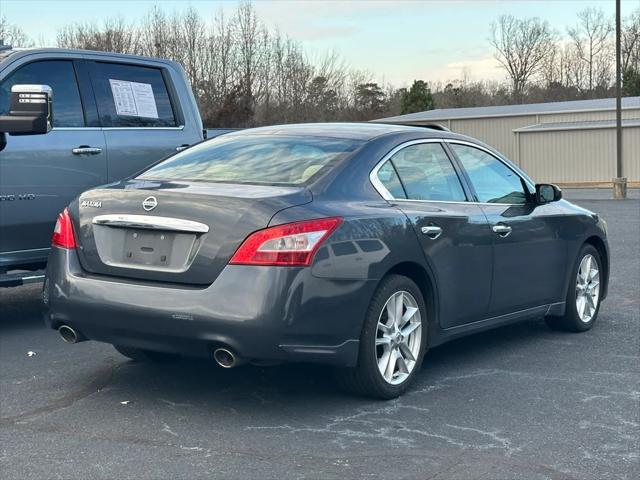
398, 337
587, 288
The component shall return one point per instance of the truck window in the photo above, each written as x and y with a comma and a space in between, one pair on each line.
61, 77
131, 96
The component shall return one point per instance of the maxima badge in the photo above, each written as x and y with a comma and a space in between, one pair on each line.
91, 203
149, 203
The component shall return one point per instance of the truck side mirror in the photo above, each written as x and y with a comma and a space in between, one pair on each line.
31, 111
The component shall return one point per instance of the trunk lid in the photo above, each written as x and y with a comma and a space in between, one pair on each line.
177, 232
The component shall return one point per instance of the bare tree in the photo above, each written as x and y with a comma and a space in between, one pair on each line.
248, 38
154, 34
13, 35
591, 39
551, 68
192, 43
219, 67
115, 35
631, 42
521, 47
245, 74
575, 69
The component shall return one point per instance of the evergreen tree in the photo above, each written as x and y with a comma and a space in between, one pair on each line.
417, 99
631, 83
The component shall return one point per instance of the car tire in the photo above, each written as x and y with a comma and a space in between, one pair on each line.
380, 344
584, 294
140, 355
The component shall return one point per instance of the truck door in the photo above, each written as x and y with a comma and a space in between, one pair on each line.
41, 174
140, 115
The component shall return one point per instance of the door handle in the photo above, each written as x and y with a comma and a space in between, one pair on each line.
432, 231
182, 147
502, 229
86, 149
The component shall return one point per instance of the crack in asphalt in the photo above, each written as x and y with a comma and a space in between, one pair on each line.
135, 440
382, 424
452, 466
100, 380
391, 429
444, 382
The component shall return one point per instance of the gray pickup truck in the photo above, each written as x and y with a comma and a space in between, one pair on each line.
103, 118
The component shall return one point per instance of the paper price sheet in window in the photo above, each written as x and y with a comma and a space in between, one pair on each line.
133, 99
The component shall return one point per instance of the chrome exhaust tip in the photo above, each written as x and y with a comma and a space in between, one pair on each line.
225, 358
69, 335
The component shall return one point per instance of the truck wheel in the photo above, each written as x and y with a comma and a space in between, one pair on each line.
392, 343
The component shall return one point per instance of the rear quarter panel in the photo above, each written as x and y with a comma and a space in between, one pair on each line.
373, 238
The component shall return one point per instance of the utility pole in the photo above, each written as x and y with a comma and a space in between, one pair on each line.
619, 183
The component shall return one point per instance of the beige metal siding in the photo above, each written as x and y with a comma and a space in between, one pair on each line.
497, 132
579, 155
631, 153
562, 156
589, 116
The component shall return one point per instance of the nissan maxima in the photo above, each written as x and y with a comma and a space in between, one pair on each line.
354, 245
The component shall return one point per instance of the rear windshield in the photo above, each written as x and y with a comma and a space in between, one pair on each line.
256, 159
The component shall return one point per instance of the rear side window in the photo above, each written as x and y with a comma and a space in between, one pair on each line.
256, 159
60, 76
389, 178
426, 173
492, 180
131, 96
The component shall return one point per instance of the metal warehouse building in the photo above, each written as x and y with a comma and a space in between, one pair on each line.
561, 142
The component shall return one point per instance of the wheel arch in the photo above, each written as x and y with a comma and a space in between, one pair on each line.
423, 278
601, 247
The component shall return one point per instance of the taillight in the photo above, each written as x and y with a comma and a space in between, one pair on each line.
63, 232
289, 244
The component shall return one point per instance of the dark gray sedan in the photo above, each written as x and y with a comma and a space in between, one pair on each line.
356, 245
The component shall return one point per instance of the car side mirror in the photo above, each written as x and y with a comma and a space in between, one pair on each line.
31, 111
547, 192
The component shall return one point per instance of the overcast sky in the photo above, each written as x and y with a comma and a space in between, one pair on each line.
397, 41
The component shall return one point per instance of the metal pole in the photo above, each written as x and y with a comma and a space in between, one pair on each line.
619, 183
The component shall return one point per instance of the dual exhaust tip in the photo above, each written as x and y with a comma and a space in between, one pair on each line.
69, 334
224, 357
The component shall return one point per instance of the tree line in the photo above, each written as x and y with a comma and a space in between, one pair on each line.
242, 73
580, 65
246, 74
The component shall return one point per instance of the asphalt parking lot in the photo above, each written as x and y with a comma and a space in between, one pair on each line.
517, 402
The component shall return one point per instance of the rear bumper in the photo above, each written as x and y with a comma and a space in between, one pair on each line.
263, 313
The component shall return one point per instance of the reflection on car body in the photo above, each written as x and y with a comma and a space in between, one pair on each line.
351, 258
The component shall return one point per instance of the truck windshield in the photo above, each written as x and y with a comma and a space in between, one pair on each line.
255, 159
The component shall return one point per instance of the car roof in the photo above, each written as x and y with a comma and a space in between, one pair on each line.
352, 131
